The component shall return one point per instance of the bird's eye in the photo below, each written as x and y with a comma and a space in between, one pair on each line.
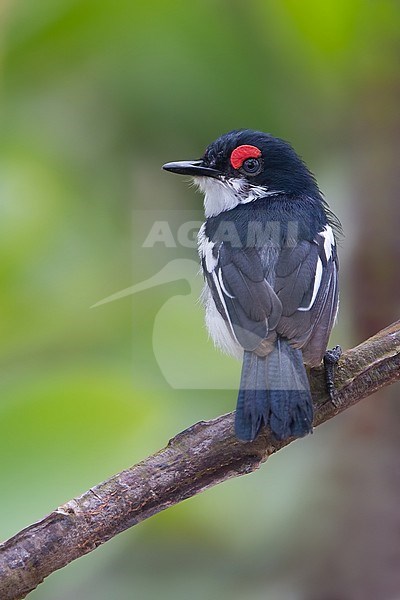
251, 166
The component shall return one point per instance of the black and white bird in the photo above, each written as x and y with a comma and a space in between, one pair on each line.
268, 254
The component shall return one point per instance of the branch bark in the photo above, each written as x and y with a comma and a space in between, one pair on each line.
202, 456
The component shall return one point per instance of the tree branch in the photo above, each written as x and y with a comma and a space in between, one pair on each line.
199, 457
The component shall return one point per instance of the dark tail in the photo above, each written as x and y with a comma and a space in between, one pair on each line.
274, 391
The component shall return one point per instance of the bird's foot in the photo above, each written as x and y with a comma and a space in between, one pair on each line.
331, 358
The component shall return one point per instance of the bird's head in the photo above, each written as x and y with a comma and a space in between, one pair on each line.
244, 165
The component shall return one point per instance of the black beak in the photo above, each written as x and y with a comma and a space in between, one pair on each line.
191, 167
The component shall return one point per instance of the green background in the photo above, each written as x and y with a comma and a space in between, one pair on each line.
95, 97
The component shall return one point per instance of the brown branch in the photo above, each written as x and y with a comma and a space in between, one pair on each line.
199, 457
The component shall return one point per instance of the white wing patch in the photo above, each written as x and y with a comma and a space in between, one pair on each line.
329, 241
329, 244
219, 329
222, 284
317, 283
206, 248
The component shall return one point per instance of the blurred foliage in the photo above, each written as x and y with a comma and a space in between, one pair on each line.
95, 96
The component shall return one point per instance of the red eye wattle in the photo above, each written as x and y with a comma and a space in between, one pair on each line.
242, 153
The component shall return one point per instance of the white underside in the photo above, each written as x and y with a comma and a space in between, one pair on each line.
218, 329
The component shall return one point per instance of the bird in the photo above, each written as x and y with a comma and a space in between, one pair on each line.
268, 251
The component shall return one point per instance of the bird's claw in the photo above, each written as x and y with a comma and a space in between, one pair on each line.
331, 358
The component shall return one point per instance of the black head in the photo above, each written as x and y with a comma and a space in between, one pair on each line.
257, 158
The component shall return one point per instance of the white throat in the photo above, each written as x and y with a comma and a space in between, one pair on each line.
226, 193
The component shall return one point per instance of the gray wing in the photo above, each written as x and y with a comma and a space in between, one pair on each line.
307, 285
243, 297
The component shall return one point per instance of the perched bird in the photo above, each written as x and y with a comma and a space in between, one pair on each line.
268, 254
